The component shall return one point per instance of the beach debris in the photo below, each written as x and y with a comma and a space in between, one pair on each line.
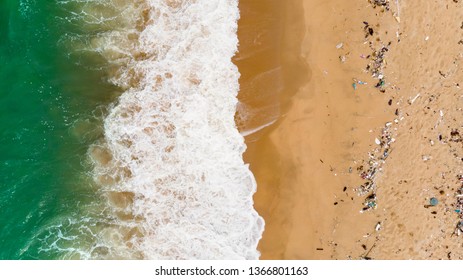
378, 226
340, 45
433, 201
366, 257
370, 203
459, 206
377, 63
459, 228
426, 157
441, 114
369, 31
380, 84
342, 58
380, 3
377, 158
377, 60
455, 136
357, 82
411, 101
379, 48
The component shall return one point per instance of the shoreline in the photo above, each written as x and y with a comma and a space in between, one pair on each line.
307, 165
280, 32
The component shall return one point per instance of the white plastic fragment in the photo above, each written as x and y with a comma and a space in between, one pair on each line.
413, 99
426, 157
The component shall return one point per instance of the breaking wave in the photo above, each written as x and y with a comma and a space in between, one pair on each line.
170, 164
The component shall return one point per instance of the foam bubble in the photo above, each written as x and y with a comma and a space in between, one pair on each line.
171, 162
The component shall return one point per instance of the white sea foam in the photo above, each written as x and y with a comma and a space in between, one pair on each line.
171, 159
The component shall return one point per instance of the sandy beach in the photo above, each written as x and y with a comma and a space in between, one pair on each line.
364, 159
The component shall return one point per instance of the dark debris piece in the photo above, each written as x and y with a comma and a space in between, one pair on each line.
455, 136
459, 206
376, 64
370, 202
368, 30
380, 3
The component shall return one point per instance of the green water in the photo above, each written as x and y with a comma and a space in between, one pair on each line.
50, 100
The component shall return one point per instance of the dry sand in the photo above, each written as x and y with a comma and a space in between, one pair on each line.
306, 163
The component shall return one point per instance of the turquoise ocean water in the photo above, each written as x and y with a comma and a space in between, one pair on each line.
50, 110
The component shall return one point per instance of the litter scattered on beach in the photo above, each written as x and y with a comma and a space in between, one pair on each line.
358, 82
377, 62
459, 206
426, 157
412, 100
377, 157
380, 3
433, 201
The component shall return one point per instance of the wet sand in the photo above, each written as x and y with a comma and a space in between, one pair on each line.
306, 163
